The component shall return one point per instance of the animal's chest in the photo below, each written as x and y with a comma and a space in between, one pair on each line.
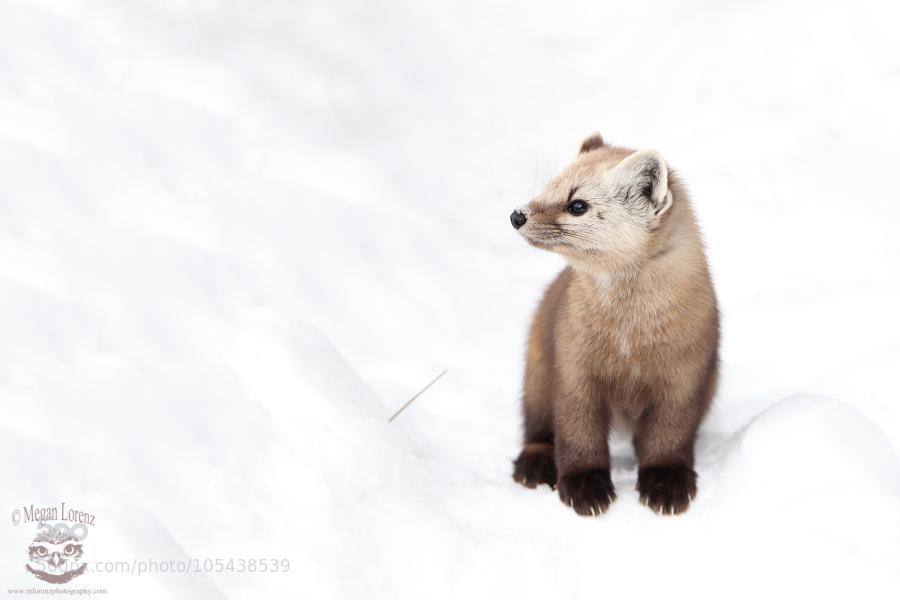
622, 338
626, 350
624, 362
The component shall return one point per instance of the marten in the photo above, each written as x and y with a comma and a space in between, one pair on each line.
627, 335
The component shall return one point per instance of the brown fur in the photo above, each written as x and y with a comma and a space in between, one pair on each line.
591, 143
626, 335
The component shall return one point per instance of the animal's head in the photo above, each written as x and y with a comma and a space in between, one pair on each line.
603, 210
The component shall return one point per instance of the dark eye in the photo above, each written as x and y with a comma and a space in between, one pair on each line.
42, 550
69, 549
577, 207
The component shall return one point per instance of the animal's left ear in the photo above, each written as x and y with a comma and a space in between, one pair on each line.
642, 179
592, 142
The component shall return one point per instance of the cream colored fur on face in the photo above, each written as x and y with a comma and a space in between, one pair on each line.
619, 225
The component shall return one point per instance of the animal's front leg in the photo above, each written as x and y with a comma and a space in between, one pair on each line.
664, 443
581, 429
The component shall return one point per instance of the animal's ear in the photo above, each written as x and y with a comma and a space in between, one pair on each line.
592, 142
642, 179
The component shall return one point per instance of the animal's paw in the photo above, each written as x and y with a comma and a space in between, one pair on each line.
588, 492
667, 490
535, 466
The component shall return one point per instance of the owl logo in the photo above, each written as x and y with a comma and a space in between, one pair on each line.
55, 554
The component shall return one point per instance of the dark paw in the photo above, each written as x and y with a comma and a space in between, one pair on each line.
589, 492
535, 466
667, 490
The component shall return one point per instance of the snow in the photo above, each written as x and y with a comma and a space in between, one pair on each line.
236, 238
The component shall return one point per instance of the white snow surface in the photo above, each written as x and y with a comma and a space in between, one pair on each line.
236, 236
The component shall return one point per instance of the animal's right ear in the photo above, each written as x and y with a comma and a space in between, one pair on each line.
592, 142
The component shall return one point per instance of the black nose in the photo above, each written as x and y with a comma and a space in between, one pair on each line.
517, 218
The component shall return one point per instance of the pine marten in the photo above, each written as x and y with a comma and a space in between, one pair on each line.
627, 335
